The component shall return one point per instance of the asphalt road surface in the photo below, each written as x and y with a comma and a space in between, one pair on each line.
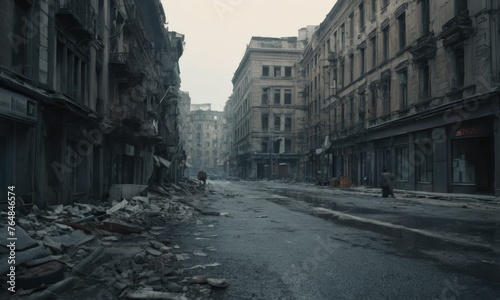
276, 247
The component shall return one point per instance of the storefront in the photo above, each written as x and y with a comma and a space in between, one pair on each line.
18, 116
472, 157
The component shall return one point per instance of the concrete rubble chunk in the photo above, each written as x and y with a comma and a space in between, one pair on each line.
58, 209
49, 242
149, 294
174, 287
75, 238
220, 283
153, 251
182, 256
117, 207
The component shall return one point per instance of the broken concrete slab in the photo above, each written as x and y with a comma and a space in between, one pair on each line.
149, 294
75, 238
54, 289
117, 207
119, 228
220, 283
49, 242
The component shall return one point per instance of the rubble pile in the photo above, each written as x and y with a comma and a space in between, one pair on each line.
122, 249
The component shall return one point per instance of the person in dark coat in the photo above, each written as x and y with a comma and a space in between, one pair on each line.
202, 176
387, 183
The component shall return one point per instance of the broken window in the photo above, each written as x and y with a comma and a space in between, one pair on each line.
288, 124
425, 83
277, 123
373, 45
265, 96
288, 145
361, 16
277, 71
459, 68
362, 60
386, 96
403, 88
265, 122
424, 162
374, 8
288, 71
385, 41
342, 36
351, 68
425, 16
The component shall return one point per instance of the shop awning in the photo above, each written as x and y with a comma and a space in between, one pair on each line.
160, 161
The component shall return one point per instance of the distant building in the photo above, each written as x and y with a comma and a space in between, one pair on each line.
410, 85
205, 140
267, 110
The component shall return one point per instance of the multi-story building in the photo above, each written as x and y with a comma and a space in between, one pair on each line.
267, 109
205, 142
407, 85
86, 88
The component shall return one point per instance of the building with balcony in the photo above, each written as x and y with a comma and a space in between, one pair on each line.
409, 85
266, 109
86, 100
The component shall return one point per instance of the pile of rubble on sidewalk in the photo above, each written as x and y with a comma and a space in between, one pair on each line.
90, 251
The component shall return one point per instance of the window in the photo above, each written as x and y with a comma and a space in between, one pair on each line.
342, 116
425, 83
461, 6
342, 74
288, 124
459, 68
403, 88
288, 145
386, 96
373, 104
265, 96
277, 96
20, 43
385, 41
342, 36
402, 30
351, 69
265, 122
265, 71
362, 105
335, 41
402, 163
361, 16
277, 71
373, 46
288, 96
277, 123
362, 60
207, 144
351, 109
288, 71
374, 9
425, 16
351, 26
424, 162
264, 144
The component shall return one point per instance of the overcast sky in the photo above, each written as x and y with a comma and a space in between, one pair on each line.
217, 32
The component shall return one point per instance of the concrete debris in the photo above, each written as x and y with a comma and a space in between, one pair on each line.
199, 279
68, 240
220, 283
117, 207
148, 294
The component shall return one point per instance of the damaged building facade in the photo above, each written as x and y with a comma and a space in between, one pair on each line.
88, 94
407, 85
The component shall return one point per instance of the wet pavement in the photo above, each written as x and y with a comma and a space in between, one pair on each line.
279, 247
